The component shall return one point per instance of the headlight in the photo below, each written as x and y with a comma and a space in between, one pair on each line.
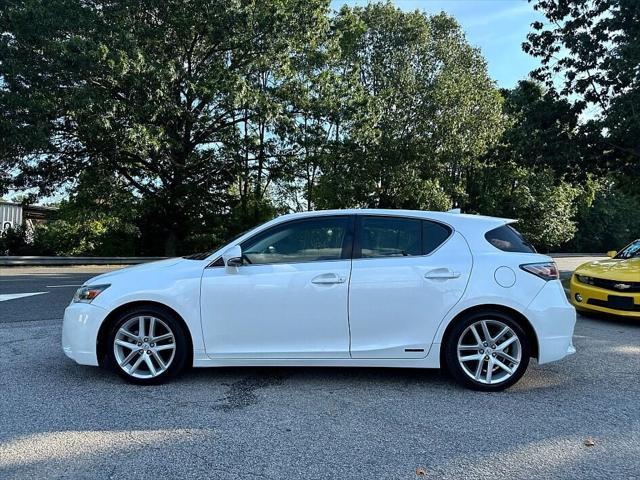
87, 293
584, 279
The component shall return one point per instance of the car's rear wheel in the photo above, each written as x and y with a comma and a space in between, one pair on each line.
487, 351
147, 345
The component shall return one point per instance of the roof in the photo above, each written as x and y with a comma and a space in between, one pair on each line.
457, 220
31, 207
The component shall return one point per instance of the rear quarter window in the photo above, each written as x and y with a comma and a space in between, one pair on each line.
433, 235
508, 239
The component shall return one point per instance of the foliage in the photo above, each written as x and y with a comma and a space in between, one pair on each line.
609, 223
98, 218
533, 174
595, 46
100, 237
428, 111
544, 207
175, 125
15, 241
150, 90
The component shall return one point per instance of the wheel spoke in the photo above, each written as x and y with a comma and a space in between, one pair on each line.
489, 370
141, 327
508, 357
485, 331
169, 346
149, 362
468, 358
127, 333
506, 343
129, 358
137, 363
160, 338
131, 346
158, 359
502, 366
475, 334
479, 369
499, 335
152, 327
469, 347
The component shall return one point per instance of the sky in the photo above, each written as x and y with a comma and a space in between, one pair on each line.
497, 27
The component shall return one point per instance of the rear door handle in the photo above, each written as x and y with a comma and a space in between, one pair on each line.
441, 274
328, 279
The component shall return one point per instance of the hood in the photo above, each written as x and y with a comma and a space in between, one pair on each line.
611, 269
143, 267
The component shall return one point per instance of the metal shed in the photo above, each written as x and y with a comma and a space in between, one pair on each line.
10, 215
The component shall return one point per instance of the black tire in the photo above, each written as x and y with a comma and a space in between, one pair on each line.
180, 356
454, 366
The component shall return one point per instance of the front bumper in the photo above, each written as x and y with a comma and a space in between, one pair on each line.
80, 332
589, 293
553, 318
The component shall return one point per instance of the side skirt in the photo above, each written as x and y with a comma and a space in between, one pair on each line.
432, 360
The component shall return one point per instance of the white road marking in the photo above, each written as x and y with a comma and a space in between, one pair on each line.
62, 286
13, 296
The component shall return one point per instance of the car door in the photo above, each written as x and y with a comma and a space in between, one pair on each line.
407, 274
288, 299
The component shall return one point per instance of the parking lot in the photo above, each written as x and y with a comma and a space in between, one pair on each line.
578, 418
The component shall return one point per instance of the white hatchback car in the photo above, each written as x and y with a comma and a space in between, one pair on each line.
352, 288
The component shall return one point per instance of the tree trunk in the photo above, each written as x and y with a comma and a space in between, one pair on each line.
170, 243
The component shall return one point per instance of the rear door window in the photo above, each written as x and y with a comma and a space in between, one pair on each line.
386, 236
508, 239
390, 237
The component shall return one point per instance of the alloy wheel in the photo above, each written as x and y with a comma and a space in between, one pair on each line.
144, 347
489, 351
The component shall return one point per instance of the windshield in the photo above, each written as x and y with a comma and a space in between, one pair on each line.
630, 251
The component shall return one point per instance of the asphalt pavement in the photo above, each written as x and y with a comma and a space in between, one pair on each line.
577, 418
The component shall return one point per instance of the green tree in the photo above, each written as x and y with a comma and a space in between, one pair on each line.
428, 111
99, 217
534, 173
594, 47
609, 221
152, 91
15, 241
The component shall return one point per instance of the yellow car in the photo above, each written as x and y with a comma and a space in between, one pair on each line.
609, 286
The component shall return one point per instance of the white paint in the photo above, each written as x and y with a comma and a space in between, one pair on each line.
397, 303
277, 314
12, 296
505, 277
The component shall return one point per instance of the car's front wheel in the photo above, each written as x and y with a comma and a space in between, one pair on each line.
487, 351
147, 345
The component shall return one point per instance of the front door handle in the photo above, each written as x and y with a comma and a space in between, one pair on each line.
441, 274
328, 279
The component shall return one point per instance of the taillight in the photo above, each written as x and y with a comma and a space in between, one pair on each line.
544, 270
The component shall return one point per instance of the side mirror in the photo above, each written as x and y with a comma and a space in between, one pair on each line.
233, 257
611, 253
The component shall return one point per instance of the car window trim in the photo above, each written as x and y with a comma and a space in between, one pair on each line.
355, 243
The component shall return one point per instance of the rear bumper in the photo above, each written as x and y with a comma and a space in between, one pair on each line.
80, 332
600, 295
553, 318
